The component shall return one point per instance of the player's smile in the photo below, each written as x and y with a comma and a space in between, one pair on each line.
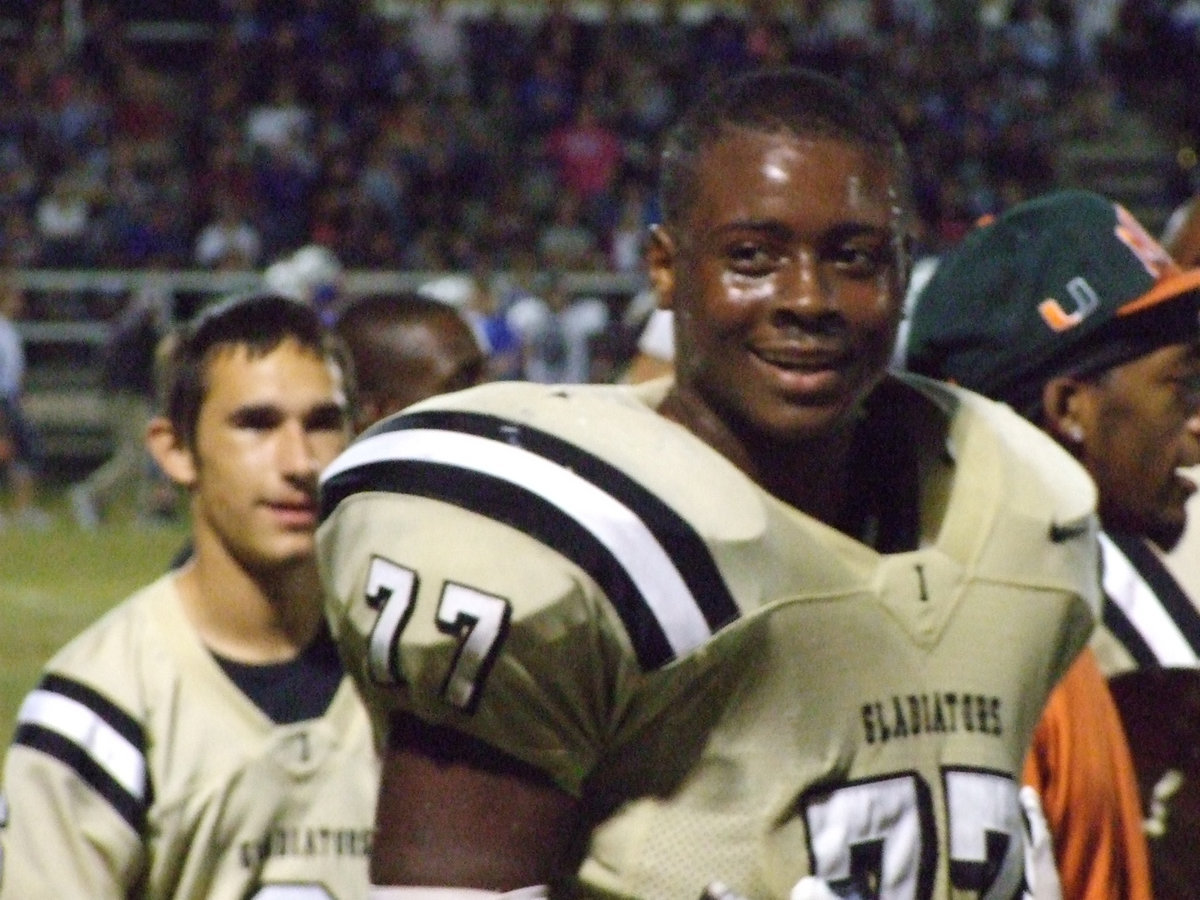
800, 371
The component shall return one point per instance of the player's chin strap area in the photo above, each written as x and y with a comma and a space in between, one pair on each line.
398, 892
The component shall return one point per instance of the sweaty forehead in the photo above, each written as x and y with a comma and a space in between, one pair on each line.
753, 175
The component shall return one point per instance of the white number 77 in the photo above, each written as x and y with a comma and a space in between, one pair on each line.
479, 621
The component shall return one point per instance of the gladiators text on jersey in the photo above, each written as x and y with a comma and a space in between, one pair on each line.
943, 712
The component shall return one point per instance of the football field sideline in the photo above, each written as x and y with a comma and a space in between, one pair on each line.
53, 583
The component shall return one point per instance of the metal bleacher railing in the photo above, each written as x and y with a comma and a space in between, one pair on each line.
69, 323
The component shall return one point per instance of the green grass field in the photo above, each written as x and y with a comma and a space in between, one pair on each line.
53, 583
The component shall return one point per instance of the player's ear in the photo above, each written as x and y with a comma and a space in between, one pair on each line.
1065, 410
660, 264
173, 456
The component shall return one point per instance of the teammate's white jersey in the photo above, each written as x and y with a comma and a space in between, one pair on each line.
737, 692
139, 770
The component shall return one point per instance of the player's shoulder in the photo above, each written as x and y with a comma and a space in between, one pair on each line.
1020, 508
131, 621
991, 442
106, 663
89, 713
555, 442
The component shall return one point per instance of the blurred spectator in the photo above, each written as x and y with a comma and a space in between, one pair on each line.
281, 123
20, 245
385, 185
230, 240
655, 351
478, 299
128, 379
394, 69
587, 155
649, 99
628, 235
62, 218
566, 242
558, 331
148, 113
439, 40
497, 48
20, 445
546, 97
312, 274
284, 180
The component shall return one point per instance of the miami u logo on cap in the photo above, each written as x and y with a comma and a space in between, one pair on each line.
1149, 252
1083, 298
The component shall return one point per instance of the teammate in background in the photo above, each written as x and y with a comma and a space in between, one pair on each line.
654, 355
1066, 309
201, 740
732, 628
405, 348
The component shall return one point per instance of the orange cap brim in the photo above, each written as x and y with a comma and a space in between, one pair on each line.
1181, 281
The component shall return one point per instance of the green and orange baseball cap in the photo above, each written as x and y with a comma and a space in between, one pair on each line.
1066, 283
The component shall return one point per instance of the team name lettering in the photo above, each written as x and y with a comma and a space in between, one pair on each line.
352, 842
912, 715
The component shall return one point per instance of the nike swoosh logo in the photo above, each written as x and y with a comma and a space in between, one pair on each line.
1069, 530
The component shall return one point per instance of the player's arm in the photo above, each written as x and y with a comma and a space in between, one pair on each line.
462, 657
454, 812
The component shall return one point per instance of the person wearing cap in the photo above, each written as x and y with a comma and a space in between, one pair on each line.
1065, 308
1181, 237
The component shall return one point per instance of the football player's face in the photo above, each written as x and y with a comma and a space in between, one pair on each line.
1141, 423
786, 276
267, 427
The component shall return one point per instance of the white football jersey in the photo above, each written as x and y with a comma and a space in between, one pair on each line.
736, 691
139, 770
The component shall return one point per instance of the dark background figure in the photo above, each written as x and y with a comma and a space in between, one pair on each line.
404, 348
129, 394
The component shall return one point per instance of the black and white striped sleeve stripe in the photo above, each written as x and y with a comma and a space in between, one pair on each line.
652, 565
98, 741
1145, 608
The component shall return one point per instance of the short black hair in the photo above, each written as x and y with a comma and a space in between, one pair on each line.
259, 322
785, 99
362, 327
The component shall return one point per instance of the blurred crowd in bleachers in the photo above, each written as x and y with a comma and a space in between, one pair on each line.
432, 136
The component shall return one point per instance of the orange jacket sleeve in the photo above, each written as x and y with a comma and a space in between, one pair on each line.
1081, 766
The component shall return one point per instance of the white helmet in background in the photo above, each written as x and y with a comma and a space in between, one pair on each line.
312, 274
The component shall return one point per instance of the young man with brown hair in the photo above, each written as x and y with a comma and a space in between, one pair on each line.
201, 740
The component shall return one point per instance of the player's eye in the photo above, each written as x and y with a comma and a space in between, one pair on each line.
861, 258
257, 418
750, 258
327, 417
